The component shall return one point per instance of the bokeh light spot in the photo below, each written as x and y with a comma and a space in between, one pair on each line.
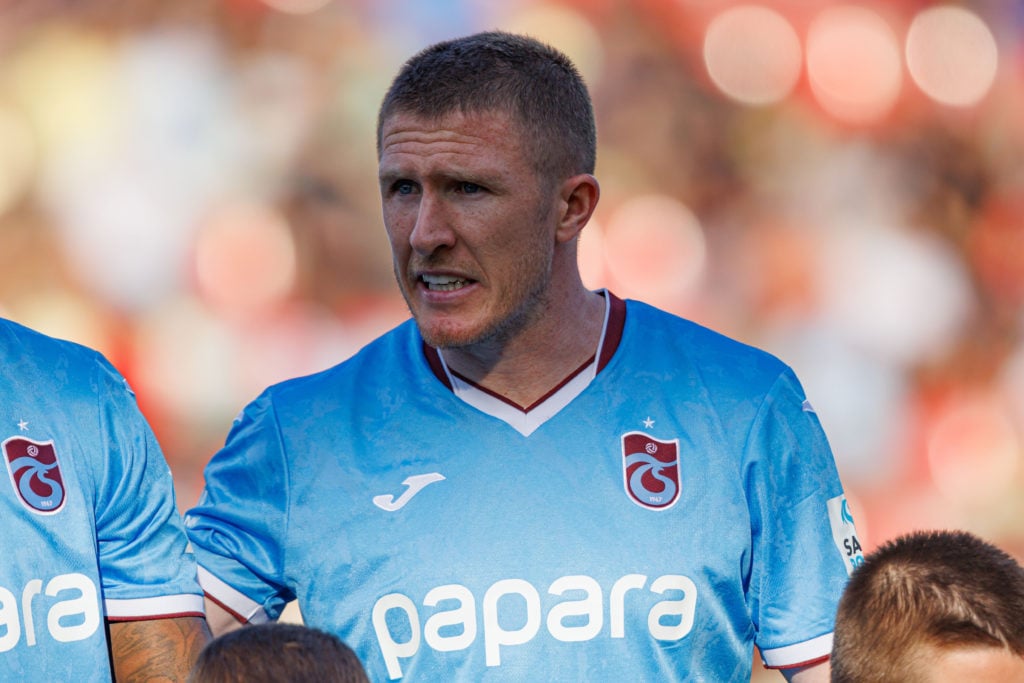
752, 54
297, 6
121, 240
853, 63
973, 450
66, 82
873, 280
951, 55
245, 259
655, 249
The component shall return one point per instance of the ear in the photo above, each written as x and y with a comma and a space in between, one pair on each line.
577, 201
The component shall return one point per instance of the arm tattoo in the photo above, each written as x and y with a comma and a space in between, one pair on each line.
156, 650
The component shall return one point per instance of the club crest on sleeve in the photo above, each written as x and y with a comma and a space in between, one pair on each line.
35, 474
650, 470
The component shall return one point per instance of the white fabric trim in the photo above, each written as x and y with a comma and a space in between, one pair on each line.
165, 605
237, 602
524, 423
528, 422
604, 331
800, 653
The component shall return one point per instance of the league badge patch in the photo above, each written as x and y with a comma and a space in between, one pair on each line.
844, 533
35, 474
650, 470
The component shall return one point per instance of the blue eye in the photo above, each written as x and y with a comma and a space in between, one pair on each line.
404, 187
470, 188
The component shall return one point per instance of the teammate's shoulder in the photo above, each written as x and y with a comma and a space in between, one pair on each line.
18, 341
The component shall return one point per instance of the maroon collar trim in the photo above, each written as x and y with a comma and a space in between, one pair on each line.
612, 339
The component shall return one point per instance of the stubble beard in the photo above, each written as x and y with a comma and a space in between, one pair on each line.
507, 321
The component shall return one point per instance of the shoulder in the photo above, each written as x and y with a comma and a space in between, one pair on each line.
684, 340
27, 352
16, 336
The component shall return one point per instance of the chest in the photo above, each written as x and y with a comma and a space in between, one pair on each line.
599, 491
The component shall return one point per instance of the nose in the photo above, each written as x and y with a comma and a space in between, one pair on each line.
433, 227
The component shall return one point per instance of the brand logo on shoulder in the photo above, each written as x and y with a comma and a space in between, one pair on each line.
35, 474
650, 470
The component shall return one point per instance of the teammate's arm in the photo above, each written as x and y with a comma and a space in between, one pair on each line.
815, 673
156, 649
220, 620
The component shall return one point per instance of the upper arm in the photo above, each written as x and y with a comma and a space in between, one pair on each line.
156, 649
151, 595
239, 526
797, 510
146, 567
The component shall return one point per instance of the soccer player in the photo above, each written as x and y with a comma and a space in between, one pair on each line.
931, 607
94, 554
529, 480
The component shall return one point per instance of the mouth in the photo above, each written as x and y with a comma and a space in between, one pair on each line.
444, 283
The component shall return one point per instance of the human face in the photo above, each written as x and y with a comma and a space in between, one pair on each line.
471, 226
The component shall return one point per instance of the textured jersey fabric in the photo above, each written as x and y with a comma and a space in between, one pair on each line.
671, 511
90, 528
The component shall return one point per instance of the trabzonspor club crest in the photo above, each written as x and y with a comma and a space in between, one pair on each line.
35, 473
650, 470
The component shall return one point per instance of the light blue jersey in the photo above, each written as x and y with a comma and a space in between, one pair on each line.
666, 508
90, 528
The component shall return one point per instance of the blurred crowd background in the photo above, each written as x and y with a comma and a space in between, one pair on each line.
190, 187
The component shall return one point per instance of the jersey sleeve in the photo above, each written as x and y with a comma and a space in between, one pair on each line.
804, 540
242, 515
146, 567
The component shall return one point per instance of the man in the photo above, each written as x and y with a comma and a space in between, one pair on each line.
531, 481
276, 652
931, 607
95, 576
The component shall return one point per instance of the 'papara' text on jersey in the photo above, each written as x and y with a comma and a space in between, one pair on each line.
447, 630
68, 601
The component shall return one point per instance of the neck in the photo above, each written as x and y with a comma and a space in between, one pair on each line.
525, 367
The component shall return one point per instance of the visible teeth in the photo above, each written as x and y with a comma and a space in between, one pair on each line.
443, 283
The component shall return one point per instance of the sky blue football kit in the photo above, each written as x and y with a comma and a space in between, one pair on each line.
668, 506
90, 528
